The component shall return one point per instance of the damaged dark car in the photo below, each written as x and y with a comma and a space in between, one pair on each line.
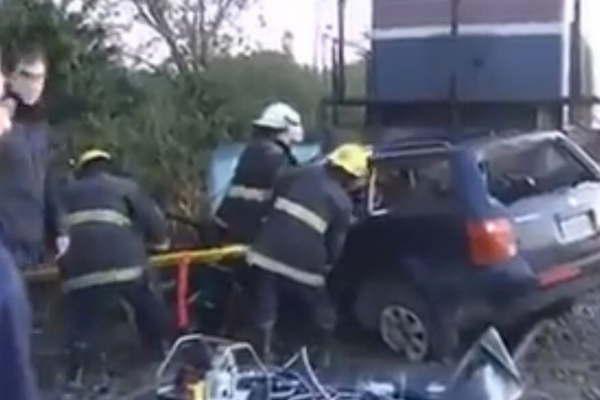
465, 233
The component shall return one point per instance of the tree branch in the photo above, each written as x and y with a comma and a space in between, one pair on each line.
191, 29
141, 60
223, 7
155, 18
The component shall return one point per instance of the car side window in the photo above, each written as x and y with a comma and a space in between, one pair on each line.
533, 168
416, 186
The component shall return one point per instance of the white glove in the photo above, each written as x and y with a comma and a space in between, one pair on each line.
62, 245
164, 246
5, 119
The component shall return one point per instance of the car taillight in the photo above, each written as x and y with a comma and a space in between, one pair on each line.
491, 241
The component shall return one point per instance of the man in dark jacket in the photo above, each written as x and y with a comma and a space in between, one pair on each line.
27, 209
16, 373
300, 241
109, 221
246, 202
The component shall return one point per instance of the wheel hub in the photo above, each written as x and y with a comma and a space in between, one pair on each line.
404, 332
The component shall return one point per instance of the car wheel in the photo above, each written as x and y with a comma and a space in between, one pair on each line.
403, 330
405, 322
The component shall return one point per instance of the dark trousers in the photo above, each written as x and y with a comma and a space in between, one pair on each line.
276, 298
17, 377
89, 313
27, 254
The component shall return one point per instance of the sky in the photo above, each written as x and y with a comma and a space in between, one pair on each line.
308, 20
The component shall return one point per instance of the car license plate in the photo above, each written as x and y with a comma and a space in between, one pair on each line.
577, 228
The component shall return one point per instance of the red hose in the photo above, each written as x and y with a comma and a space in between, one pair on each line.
183, 272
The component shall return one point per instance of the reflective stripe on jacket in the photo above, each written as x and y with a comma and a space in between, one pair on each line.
269, 264
301, 213
106, 216
110, 223
247, 200
249, 193
303, 234
103, 278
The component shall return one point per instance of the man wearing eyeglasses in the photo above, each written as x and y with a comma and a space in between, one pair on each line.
26, 206
16, 373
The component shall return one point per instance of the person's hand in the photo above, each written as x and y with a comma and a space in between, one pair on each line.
62, 246
161, 247
7, 109
5, 119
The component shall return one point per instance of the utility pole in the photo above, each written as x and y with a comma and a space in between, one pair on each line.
335, 81
341, 49
576, 87
454, 104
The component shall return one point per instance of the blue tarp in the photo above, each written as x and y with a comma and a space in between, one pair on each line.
224, 161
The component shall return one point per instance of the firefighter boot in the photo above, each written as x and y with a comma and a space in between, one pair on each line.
322, 350
74, 387
102, 386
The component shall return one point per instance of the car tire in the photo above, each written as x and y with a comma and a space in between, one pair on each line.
405, 322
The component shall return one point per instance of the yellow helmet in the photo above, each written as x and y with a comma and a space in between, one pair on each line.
91, 155
352, 158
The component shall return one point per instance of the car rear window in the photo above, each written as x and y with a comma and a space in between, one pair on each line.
528, 168
410, 185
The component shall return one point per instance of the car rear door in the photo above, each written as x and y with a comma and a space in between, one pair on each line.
552, 193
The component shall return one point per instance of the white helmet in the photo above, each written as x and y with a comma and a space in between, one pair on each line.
282, 117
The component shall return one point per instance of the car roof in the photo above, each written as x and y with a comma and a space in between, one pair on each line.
478, 143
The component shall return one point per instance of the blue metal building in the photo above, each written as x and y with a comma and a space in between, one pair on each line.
502, 51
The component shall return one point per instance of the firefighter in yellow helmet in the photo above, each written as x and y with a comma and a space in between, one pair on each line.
110, 223
300, 241
91, 155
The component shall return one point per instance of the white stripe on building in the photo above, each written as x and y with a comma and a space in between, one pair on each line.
500, 29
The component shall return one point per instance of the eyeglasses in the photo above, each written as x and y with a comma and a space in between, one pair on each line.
31, 75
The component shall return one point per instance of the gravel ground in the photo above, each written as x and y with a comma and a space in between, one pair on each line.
563, 362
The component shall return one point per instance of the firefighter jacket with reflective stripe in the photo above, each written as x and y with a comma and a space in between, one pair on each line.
109, 221
246, 201
303, 235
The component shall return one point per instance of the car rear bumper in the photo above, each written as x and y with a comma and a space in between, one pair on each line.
546, 299
555, 286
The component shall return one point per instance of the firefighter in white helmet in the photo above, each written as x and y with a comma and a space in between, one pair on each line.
246, 201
